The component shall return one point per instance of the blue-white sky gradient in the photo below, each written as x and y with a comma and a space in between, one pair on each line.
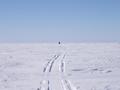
59, 20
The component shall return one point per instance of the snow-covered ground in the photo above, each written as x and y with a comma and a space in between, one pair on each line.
84, 66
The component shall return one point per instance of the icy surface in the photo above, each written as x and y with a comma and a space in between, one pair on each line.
85, 66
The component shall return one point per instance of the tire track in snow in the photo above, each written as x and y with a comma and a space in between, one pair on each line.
48, 68
48, 85
66, 84
45, 68
62, 64
50, 63
44, 85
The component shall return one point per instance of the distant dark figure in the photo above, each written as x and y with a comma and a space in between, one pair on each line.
59, 43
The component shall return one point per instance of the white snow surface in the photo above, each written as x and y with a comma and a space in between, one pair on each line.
73, 66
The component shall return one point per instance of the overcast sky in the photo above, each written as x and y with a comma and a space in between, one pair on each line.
59, 20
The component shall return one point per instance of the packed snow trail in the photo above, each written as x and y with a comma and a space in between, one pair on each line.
49, 65
68, 85
55, 65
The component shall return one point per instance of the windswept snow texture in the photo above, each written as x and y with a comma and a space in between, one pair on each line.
85, 66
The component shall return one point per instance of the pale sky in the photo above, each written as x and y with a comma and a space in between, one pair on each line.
59, 20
